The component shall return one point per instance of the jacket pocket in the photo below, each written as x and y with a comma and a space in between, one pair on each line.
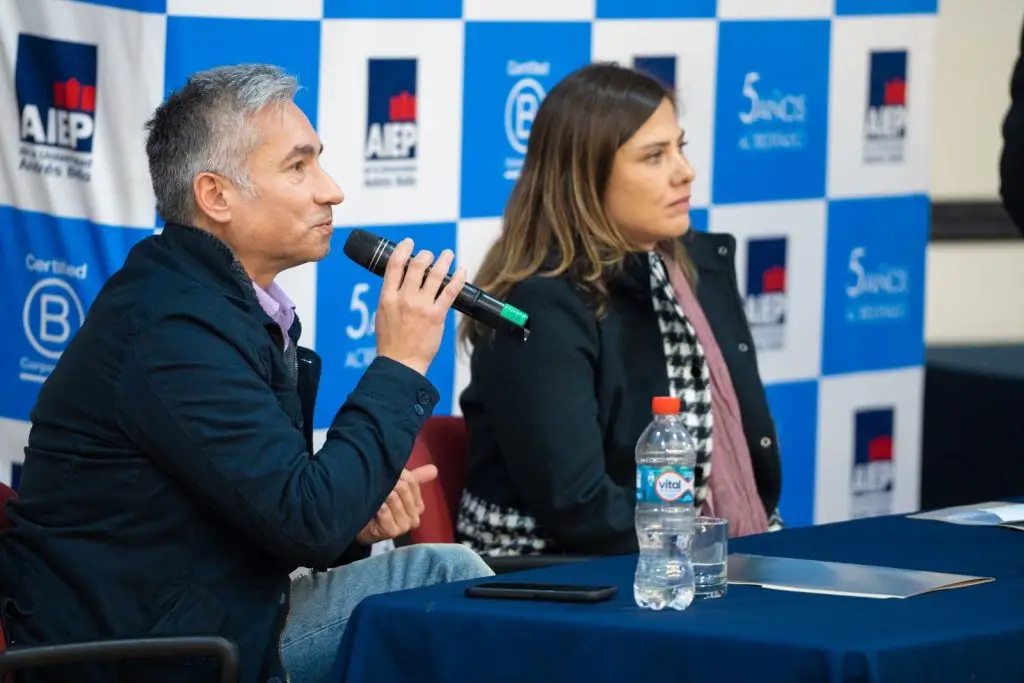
194, 611
9, 610
288, 398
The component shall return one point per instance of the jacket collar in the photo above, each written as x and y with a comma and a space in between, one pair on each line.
215, 260
709, 252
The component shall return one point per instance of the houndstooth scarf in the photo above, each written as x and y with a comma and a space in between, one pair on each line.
688, 374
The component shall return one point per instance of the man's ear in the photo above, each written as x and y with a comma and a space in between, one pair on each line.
212, 194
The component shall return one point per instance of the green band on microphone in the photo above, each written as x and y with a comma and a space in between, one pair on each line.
513, 315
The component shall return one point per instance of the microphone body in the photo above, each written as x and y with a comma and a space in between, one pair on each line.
373, 252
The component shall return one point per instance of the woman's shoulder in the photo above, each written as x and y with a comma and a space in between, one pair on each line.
709, 248
549, 289
557, 306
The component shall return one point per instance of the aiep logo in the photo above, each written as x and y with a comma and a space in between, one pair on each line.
55, 84
391, 125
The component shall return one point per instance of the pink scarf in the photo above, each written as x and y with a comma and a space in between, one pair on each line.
732, 493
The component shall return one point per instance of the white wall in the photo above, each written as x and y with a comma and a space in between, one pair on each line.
975, 293
977, 46
974, 290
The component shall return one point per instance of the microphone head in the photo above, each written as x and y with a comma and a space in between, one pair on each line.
361, 246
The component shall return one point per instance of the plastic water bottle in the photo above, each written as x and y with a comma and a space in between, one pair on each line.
666, 456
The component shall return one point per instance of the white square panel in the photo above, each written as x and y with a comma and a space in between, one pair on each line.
883, 149
775, 9
780, 252
530, 10
404, 183
890, 483
319, 438
475, 237
13, 439
247, 9
86, 79
693, 47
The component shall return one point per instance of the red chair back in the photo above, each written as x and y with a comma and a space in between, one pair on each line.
442, 442
6, 494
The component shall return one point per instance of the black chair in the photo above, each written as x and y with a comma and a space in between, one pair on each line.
225, 651
30, 656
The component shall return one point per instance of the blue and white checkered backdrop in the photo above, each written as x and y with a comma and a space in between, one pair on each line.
809, 124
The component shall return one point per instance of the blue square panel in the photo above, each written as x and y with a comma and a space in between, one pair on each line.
794, 407
699, 220
345, 334
874, 284
513, 65
52, 270
771, 111
291, 45
392, 9
860, 7
153, 6
656, 9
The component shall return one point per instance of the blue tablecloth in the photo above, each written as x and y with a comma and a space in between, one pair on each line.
972, 634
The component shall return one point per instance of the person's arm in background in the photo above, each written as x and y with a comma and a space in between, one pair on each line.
542, 410
1011, 162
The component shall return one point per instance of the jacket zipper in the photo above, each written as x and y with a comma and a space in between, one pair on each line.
246, 280
288, 597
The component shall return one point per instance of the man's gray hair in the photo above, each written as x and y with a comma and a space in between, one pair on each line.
203, 127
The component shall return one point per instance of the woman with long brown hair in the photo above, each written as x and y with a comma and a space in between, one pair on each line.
625, 303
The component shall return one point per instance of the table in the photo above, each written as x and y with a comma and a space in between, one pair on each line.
972, 430
436, 635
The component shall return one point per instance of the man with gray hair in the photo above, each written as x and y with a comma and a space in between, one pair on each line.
170, 484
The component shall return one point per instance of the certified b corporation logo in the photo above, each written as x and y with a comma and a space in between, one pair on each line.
52, 314
521, 105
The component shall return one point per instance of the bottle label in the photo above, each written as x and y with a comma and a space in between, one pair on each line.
664, 484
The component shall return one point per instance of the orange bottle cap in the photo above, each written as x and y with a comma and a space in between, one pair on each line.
666, 405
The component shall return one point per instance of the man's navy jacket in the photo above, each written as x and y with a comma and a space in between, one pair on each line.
169, 484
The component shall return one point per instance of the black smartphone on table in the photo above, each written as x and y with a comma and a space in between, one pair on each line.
548, 592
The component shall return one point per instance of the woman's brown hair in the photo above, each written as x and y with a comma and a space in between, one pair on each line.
556, 208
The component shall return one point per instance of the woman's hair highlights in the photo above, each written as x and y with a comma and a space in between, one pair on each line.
556, 207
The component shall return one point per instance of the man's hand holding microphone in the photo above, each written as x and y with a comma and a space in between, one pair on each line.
410, 321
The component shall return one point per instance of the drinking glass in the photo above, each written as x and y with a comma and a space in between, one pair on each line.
709, 555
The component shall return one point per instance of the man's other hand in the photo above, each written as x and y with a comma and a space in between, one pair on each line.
401, 512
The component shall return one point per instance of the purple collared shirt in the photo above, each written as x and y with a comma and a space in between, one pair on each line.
278, 306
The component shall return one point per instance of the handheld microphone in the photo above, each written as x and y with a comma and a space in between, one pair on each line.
372, 252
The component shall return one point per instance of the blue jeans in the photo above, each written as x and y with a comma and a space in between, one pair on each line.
323, 601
